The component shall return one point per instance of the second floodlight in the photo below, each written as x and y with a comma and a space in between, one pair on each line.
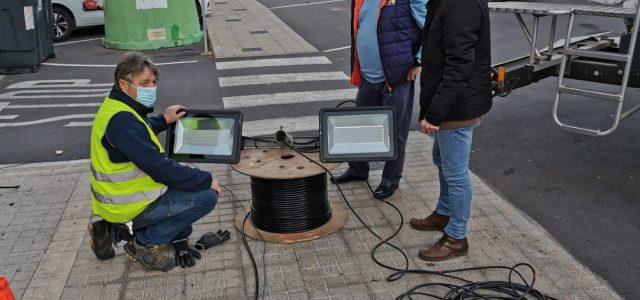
358, 134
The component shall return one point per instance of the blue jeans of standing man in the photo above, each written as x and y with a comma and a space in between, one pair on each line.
401, 97
170, 217
451, 151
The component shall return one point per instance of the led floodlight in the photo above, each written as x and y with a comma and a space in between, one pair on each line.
208, 136
357, 134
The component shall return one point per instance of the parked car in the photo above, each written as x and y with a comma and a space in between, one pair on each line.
68, 15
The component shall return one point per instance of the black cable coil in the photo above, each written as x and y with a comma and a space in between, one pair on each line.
289, 205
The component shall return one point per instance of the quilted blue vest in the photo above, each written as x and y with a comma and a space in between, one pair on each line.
399, 39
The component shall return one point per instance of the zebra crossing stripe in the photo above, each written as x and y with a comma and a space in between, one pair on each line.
273, 62
270, 126
79, 124
54, 119
280, 78
8, 117
288, 98
53, 105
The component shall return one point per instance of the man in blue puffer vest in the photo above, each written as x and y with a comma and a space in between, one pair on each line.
385, 60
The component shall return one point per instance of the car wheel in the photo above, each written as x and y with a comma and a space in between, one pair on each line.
63, 24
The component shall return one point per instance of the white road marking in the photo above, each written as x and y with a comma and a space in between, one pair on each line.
3, 105
337, 49
48, 120
75, 42
270, 126
79, 124
40, 94
57, 83
53, 105
113, 66
273, 62
280, 78
8, 117
44, 164
305, 4
288, 98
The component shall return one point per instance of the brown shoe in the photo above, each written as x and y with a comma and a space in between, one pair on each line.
445, 248
434, 222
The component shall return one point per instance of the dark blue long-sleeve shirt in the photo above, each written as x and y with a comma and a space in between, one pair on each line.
126, 139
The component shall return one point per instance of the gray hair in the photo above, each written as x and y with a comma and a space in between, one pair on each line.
132, 63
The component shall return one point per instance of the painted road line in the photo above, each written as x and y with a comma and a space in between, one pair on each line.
280, 78
75, 42
337, 49
305, 4
64, 93
270, 126
8, 117
44, 164
3, 105
52, 105
113, 66
79, 124
274, 62
57, 83
48, 120
288, 98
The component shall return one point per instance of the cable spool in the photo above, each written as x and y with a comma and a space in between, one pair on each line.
289, 198
289, 205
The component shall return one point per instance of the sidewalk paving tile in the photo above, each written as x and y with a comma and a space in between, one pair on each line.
44, 249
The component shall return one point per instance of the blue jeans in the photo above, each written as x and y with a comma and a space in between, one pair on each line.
451, 151
401, 97
169, 218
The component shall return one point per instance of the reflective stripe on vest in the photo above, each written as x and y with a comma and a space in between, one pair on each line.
129, 198
118, 177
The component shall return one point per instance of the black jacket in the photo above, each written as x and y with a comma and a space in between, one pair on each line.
456, 53
126, 139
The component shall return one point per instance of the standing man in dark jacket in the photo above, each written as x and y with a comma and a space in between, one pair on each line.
385, 60
455, 93
134, 183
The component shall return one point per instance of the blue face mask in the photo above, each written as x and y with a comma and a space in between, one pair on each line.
146, 95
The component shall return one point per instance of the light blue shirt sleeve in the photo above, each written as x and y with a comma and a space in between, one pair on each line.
419, 12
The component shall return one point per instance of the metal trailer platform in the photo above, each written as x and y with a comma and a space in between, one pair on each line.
585, 58
548, 9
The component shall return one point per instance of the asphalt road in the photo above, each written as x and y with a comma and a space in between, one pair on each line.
58, 116
585, 191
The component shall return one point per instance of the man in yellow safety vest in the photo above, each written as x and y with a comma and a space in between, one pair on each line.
133, 183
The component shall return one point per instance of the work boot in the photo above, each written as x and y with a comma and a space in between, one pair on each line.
152, 257
445, 248
100, 239
434, 222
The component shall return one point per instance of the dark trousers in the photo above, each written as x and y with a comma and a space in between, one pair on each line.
401, 97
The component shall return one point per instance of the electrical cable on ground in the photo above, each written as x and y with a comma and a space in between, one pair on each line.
468, 290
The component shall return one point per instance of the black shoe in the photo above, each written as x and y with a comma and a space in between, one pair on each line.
152, 257
385, 190
100, 239
347, 176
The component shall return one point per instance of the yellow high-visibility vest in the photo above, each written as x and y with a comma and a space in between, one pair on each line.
119, 191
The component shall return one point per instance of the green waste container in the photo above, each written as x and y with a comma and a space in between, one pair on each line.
150, 24
26, 35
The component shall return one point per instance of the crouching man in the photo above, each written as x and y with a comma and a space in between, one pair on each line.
132, 181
